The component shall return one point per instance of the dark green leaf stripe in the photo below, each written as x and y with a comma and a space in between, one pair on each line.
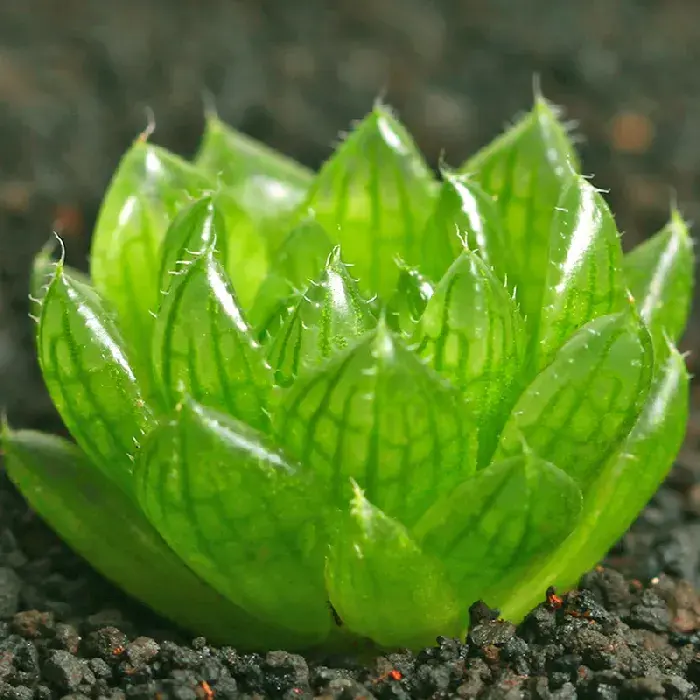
378, 415
584, 277
495, 525
407, 304
381, 584
203, 346
251, 524
578, 409
472, 334
90, 377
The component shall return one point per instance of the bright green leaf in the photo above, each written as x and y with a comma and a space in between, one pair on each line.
203, 347
240, 515
382, 586
659, 273
146, 192
492, 528
103, 525
622, 489
464, 215
327, 317
584, 275
299, 260
91, 381
407, 304
373, 197
378, 415
472, 334
526, 170
577, 410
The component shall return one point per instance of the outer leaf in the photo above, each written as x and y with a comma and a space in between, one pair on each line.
472, 334
43, 270
328, 317
526, 171
621, 490
378, 415
382, 586
494, 526
264, 182
584, 278
240, 515
147, 190
89, 376
464, 216
103, 525
577, 411
660, 276
407, 304
204, 348
300, 259
373, 197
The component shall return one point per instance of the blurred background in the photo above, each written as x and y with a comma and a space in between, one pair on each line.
77, 77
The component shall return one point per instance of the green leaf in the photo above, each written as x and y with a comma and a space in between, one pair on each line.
526, 170
203, 347
103, 525
264, 182
382, 586
622, 489
378, 415
147, 190
407, 304
464, 216
327, 317
494, 526
576, 412
237, 512
659, 273
472, 334
299, 260
90, 378
584, 277
373, 197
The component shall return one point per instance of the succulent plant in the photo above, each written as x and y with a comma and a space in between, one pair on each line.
320, 409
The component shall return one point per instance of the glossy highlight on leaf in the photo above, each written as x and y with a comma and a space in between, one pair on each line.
584, 278
330, 411
237, 512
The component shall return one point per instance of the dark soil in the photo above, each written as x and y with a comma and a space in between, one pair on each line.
75, 79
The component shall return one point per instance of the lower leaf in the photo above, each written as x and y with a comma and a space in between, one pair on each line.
234, 510
382, 585
492, 528
103, 525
